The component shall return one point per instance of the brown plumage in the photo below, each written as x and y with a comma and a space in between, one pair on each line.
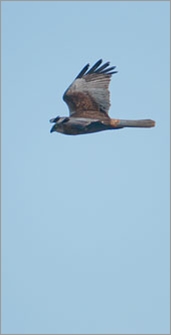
88, 99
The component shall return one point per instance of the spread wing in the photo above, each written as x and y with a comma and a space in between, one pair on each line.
88, 95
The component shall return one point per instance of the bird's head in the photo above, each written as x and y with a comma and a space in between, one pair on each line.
55, 121
58, 124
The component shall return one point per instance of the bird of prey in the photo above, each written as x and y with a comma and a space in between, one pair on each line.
88, 101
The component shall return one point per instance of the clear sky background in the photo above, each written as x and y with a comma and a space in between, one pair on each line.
85, 219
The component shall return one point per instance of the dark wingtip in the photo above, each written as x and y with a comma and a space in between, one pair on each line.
113, 72
100, 68
83, 71
96, 68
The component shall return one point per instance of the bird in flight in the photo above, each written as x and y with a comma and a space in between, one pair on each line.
88, 100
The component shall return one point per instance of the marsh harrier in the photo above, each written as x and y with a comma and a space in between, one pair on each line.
88, 101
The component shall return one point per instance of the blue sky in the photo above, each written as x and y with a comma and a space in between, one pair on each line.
85, 219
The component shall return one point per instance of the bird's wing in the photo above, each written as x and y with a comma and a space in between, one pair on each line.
88, 95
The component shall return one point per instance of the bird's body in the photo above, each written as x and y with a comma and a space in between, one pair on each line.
88, 101
76, 126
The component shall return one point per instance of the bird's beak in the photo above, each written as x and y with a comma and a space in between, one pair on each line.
52, 129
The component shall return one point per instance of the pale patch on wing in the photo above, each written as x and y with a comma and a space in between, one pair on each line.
88, 95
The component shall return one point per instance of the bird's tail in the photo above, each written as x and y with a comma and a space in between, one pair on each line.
115, 123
